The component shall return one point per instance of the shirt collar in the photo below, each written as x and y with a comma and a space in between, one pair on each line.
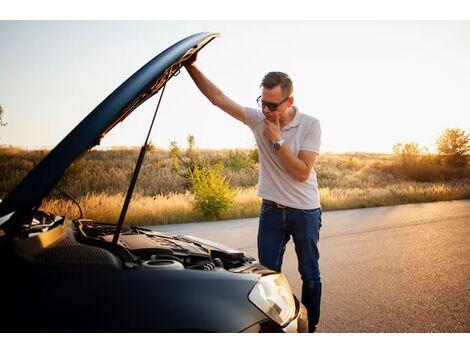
295, 121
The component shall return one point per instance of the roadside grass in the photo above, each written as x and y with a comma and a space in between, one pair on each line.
393, 194
177, 208
173, 208
349, 180
143, 210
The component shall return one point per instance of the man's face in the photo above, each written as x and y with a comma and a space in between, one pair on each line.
275, 96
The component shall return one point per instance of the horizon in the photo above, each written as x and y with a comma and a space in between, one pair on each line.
371, 84
184, 148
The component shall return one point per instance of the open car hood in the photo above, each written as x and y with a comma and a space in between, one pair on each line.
142, 85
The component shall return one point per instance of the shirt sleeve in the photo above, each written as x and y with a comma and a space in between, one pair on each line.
253, 117
312, 139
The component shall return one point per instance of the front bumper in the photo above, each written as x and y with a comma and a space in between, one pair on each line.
298, 324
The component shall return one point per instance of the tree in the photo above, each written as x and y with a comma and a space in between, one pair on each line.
407, 153
454, 147
2, 123
150, 147
191, 141
174, 151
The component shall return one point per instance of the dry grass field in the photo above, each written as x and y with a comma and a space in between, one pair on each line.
100, 179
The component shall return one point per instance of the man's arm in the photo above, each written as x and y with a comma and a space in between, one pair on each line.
214, 94
299, 166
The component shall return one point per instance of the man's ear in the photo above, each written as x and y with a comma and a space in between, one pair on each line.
290, 102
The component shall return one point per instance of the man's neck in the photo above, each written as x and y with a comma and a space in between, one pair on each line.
287, 117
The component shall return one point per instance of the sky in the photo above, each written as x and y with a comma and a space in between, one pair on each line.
370, 83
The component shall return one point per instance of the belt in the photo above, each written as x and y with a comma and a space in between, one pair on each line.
277, 205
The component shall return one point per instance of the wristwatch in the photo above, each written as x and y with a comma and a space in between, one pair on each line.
278, 144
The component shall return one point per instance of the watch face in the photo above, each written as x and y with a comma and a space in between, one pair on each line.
278, 144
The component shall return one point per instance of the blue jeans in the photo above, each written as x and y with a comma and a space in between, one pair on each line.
276, 226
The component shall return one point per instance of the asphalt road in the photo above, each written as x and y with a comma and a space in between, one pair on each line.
402, 268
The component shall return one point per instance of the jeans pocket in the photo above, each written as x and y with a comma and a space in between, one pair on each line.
265, 207
310, 211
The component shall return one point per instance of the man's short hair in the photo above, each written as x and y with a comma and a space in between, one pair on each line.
274, 79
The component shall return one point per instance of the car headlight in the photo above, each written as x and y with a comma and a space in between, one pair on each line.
273, 295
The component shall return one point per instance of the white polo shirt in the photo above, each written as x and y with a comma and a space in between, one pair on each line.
275, 183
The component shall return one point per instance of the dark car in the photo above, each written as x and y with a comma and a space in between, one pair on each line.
62, 275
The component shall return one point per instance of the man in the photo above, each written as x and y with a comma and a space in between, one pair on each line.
288, 144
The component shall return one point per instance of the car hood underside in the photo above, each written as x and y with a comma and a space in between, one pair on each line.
18, 206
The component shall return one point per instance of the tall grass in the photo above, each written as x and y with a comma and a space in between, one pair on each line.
144, 210
393, 194
172, 208
178, 208
109, 171
351, 180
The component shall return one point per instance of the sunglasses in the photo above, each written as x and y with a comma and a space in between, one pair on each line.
271, 106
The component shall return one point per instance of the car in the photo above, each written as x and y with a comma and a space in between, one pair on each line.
78, 275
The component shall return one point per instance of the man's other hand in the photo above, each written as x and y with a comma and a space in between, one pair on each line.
272, 130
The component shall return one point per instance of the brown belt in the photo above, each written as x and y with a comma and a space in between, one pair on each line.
274, 203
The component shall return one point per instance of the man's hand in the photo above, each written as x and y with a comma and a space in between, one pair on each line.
272, 130
192, 59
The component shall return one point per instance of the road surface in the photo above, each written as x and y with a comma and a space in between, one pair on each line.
400, 268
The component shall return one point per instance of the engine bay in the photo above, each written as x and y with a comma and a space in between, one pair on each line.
163, 251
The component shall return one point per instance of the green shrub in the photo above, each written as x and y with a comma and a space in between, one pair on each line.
254, 155
212, 192
237, 160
